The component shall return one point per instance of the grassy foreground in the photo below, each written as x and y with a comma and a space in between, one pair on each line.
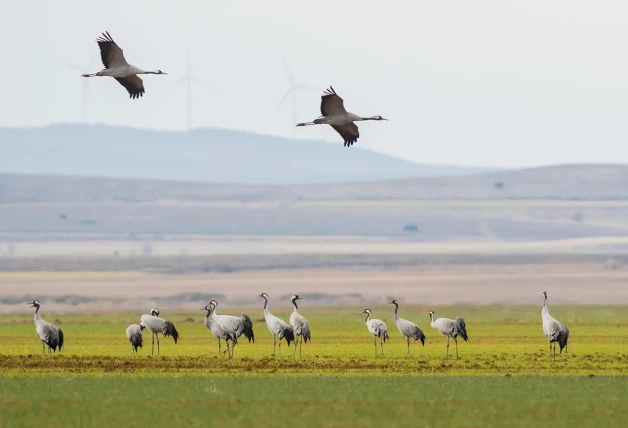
134, 401
503, 378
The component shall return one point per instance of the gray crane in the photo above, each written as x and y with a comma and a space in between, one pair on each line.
117, 67
333, 113
213, 326
300, 327
48, 333
451, 329
157, 325
378, 329
554, 330
407, 328
134, 334
234, 326
278, 327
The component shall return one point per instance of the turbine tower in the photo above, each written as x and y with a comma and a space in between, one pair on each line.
85, 93
188, 79
293, 90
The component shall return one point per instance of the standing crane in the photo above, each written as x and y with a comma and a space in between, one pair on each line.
134, 334
277, 326
48, 333
158, 325
234, 326
117, 67
333, 113
213, 326
451, 329
300, 326
554, 330
407, 328
378, 329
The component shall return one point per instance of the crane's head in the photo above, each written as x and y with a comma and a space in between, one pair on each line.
35, 304
545, 294
154, 312
207, 308
432, 313
295, 297
160, 72
366, 311
264, 296
213, 303
378, 117
142, 326
393, 302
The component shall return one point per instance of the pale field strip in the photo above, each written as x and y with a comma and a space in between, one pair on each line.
267, 245
429, 285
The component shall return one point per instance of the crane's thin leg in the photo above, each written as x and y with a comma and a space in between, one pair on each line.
447, 346
296, 342
280, 347
153, 349
157, 344
456, 340
375, 344
43, 348
381, 344
275, 344
301, 347
408, 339
219, 348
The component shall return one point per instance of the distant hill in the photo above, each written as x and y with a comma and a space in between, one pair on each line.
564, 182
210, 155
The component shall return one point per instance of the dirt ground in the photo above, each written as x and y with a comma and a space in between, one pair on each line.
438, 285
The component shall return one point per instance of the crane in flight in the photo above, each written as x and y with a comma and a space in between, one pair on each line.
333, 113
117, 67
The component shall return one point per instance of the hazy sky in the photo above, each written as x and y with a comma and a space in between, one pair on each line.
495, 83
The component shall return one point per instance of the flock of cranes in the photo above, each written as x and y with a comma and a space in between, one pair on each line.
333, 111
229, 328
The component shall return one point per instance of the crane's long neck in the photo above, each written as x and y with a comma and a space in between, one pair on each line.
396, 309
296, 308
37, 315
367, 317
545, 310
432, 319
265, 304
148, 72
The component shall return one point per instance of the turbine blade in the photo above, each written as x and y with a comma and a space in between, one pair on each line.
201, 84
288, 92
288, 73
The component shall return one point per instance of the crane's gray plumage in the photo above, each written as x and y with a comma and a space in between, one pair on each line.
407, 328
451, 329
157, 325
234, 326
554, 330
333, 113
378, 329
134, 334
300, 327
48, 333
278, 327
215, 328
117, 67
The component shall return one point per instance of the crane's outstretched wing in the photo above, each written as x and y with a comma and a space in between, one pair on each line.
331, 103
110, 52
133, 85
348, 132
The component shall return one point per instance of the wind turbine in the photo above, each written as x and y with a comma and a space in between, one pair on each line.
85, 93
292, 90
188, 79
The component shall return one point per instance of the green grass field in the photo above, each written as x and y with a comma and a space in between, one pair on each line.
504, 376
